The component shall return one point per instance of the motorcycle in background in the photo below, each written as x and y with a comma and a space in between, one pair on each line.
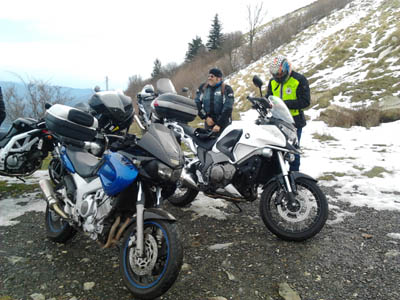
24, 147
116, 199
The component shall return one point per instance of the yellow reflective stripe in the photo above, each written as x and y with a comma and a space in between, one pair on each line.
294, 112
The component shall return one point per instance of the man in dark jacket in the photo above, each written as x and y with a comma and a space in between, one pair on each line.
294, 90
214, 100
2, 108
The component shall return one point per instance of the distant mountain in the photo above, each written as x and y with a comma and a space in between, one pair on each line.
77, 95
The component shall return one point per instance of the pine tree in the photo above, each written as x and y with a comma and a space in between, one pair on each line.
215, 38
194, 48
157, 69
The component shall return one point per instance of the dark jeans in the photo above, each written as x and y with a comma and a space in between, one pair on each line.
295, 165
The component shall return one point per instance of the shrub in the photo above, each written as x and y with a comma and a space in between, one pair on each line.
345, 117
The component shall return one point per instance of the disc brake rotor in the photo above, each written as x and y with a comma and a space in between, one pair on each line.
144, 265
294, 216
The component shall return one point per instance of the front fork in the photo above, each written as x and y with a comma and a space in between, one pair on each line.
140, 218
290, 193
140, 221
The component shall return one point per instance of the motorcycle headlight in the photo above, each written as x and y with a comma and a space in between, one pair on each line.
167, 173
161, 171
289, 157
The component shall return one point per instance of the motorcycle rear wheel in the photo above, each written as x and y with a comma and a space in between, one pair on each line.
294, 225
57, 229
151, 276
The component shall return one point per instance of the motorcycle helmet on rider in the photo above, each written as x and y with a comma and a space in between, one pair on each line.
280, 69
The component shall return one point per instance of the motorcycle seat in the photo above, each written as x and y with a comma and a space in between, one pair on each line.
85, 164
202, 137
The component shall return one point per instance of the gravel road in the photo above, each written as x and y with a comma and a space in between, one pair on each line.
235, 258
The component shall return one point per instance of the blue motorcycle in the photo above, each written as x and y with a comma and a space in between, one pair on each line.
115, 198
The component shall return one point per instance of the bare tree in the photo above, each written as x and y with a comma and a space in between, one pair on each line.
135, 84
170, 69
231, 42
255, 16
32, 104
15, 104
39, 93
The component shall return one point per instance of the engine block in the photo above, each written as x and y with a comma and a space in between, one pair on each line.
221, 174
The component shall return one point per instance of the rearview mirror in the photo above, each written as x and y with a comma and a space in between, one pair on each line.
257, 81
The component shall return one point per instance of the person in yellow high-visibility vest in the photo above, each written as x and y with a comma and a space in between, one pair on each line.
294, 90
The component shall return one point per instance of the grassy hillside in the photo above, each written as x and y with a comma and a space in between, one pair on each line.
351, 57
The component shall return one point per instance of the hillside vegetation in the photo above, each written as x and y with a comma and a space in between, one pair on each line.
351, 58
235, 52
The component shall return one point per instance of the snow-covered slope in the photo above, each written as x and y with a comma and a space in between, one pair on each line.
351, 56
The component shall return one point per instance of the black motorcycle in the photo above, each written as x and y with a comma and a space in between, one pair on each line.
24, 147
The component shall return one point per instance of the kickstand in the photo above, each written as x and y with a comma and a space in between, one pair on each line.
21, 179
237, 205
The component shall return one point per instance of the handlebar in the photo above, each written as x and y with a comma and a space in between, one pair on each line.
260, 101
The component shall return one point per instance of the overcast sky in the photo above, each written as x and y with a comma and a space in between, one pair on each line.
78, 43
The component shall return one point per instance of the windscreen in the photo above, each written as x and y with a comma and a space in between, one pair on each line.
160, 142
280, 110
164, 85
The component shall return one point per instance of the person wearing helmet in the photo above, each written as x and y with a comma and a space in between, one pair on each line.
293, 88
214, 100
2, 108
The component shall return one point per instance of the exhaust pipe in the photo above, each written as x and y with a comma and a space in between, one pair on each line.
48, 192
188, 181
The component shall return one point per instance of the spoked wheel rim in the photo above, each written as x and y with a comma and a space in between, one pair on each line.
145, 272
300, 218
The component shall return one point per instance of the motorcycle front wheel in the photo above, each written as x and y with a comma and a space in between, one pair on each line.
183, 196
301, 222
153, 274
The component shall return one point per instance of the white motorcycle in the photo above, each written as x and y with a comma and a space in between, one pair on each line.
243, 158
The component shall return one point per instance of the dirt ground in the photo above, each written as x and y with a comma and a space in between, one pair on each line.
236, 258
